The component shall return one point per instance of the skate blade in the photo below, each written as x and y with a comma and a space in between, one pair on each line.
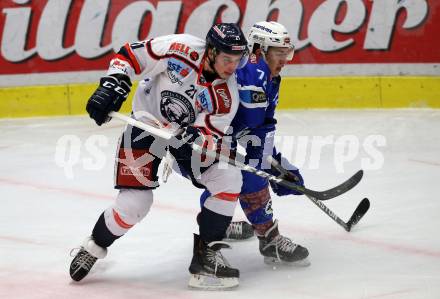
273, 261
208, 282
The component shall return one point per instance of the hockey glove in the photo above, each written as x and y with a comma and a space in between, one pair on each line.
293, 176
196, 135
192, 135
109, 96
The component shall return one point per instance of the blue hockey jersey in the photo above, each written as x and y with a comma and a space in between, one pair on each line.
255, 116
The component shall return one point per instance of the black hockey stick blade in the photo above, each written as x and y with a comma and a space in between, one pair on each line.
360, 211
340, 189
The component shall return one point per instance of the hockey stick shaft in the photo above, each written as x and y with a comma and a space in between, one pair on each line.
168, 136
324, 195
135, 123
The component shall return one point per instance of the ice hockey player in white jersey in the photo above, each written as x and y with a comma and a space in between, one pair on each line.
188, 85
259, 82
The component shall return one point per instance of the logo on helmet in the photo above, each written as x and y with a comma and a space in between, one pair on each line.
238, 48
263, 28
219, 32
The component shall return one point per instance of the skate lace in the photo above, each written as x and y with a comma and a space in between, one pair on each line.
84, 259
215, 256
235, 228
282, 244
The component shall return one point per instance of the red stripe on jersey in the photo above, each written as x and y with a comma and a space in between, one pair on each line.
210, 126
213, 99
204, 130
227, 196
150, 51
208, 123
123, 58
135, 63
121, 222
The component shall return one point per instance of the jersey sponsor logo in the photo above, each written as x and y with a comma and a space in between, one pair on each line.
194, 55
174, 78
224, 99
179, 48
176, 108
262, 28
252, 97
120, 65
219, 32
205, 100
258, 97
177, 70
138, 171
238, 48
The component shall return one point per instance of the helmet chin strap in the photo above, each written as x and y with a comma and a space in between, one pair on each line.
212, 62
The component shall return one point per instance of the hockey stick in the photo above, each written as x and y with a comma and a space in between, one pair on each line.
321, 195
360, 211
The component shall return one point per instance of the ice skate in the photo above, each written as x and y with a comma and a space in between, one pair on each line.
86, 257
209, 268
278, 249
239, 230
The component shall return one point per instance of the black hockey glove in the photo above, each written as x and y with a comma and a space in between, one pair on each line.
109, 96
195, 135
293, 175
199, 137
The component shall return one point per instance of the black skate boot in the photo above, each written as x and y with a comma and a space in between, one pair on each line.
278, 249
86, 257
239, 230
209, 268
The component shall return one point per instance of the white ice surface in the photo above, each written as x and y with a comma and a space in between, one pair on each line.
394, 252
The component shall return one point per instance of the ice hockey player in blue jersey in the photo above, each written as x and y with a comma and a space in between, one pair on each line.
254, 128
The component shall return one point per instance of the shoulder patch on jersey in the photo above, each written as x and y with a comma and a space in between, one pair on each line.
224, 98
204, 98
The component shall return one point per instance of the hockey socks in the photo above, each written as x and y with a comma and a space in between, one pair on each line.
102, 235
212, 226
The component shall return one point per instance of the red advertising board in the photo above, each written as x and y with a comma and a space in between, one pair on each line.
76, 35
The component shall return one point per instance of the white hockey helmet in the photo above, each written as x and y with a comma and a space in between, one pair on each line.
269, 34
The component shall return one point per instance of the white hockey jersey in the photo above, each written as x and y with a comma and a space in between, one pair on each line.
174, 90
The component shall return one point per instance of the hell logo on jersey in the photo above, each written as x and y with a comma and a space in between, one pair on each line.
183, 50
176, 108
